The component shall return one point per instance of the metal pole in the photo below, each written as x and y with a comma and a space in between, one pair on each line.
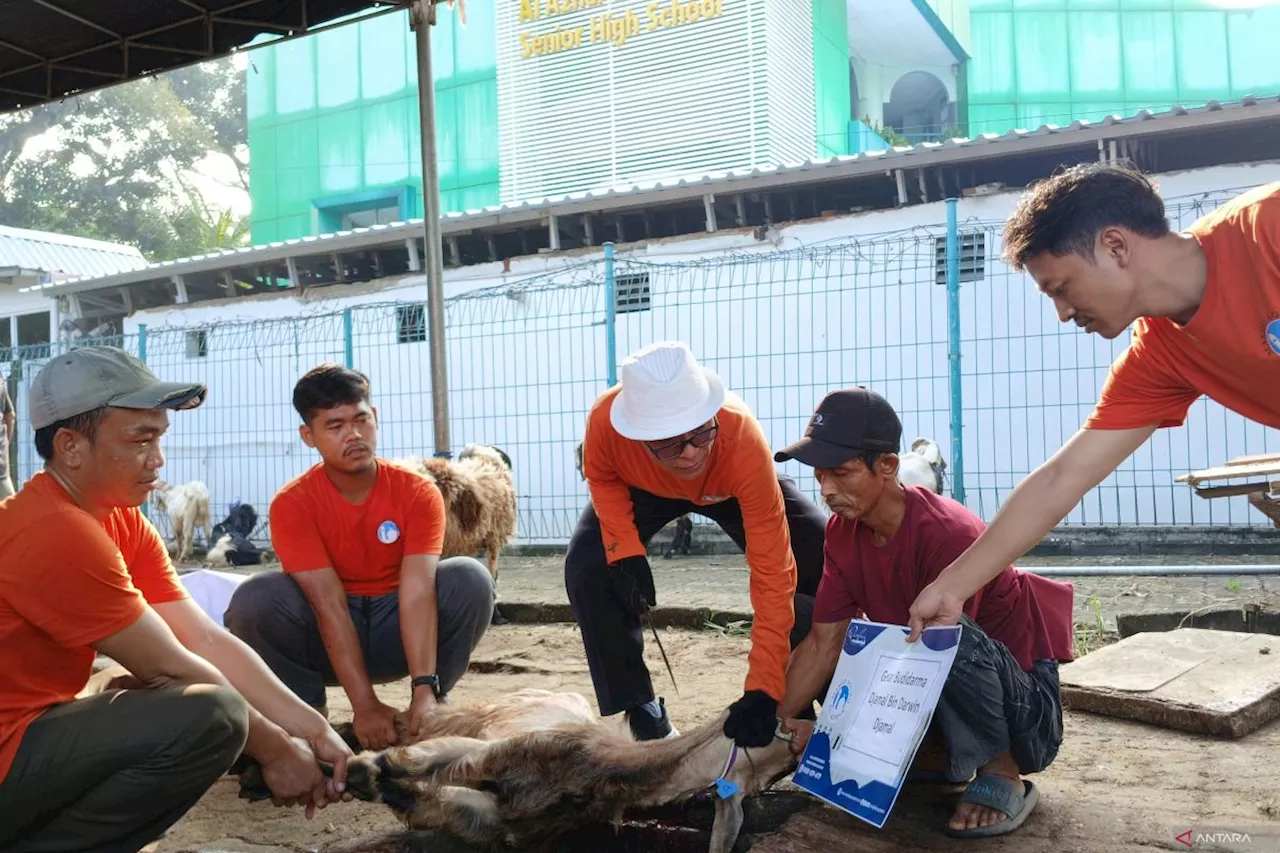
1152, 571
347, 355
142, 342
422, 16
610, 318
953, 352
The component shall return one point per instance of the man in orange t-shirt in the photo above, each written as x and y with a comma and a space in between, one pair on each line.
1205, 311
83, 571
364, 597
670, 440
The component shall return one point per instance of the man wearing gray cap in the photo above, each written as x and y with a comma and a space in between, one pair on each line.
1000, 713
83, 571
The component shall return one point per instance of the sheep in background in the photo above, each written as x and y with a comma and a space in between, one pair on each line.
479, 499
187, 506
922, 465
681, 540
232, 546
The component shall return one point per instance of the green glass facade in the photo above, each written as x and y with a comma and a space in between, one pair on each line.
334, 136
831, 77
333, 118
1040, 62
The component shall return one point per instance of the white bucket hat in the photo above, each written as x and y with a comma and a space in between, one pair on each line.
664, 393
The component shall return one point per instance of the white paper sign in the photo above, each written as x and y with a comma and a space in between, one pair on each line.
882, 698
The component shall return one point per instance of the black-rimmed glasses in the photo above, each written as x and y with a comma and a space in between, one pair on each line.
672, 449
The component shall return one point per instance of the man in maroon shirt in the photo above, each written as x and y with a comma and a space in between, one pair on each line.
1000, 713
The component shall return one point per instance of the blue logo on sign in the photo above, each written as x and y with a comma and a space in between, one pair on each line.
388, 532
1273, 336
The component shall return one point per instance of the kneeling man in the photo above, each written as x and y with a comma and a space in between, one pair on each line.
110, 767
364, 597
670, 440
1000, 713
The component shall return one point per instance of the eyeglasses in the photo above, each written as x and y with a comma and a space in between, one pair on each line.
671, 450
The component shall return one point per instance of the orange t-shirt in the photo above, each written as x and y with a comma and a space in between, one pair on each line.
66, 582
1230, 350
314, 527
741, 466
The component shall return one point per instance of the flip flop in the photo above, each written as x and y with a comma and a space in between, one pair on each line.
998, 793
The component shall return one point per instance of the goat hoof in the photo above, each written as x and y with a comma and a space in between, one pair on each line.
362, 778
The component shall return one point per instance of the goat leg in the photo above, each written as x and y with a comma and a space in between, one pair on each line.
727, 824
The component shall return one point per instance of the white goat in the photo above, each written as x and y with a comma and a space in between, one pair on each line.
187, 506
922, 465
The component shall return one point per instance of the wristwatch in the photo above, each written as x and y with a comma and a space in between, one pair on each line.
432, 681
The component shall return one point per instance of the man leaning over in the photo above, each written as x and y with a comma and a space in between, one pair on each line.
1205, 310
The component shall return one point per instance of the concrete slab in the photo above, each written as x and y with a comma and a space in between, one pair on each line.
1222, 683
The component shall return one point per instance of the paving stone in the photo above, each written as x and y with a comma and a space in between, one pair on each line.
1222, 683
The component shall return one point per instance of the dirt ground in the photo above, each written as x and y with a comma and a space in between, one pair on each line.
1116, 785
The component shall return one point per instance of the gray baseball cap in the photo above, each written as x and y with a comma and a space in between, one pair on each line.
90, 377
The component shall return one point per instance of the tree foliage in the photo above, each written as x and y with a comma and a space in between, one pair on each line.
112, 164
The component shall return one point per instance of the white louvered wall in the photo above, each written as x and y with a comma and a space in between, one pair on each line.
707, 95
792, 122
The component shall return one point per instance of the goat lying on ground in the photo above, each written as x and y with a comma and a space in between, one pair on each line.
479, 499
558, 775
187, 506
922, 465
232, 546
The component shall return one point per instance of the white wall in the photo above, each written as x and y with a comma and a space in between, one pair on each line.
848, 300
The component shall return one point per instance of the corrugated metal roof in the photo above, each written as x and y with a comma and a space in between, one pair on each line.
927, 154
64, 256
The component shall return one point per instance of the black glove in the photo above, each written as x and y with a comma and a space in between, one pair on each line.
633, 582
753, 719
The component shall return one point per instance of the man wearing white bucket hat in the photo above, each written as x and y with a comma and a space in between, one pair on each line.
668, 440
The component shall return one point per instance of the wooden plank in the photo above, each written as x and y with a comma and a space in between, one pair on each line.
1225, 471
1268, 506
1257, 487
1257, 457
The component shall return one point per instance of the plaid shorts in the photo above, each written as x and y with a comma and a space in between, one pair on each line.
990, 705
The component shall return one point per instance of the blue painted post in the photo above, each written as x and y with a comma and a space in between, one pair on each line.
953, 352
348, 358
610, 318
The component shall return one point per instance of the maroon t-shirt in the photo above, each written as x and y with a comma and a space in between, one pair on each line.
1028, 613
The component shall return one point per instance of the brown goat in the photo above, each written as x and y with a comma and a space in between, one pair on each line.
479, 499
534, 785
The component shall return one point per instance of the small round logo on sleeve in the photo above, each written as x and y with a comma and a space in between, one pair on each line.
388, 532
1273, 336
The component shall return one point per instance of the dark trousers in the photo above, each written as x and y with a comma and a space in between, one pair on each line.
111, 773
989, 705
612, 636
271, 614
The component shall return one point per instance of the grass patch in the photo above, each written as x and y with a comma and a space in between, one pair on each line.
1092, 635
726, 628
